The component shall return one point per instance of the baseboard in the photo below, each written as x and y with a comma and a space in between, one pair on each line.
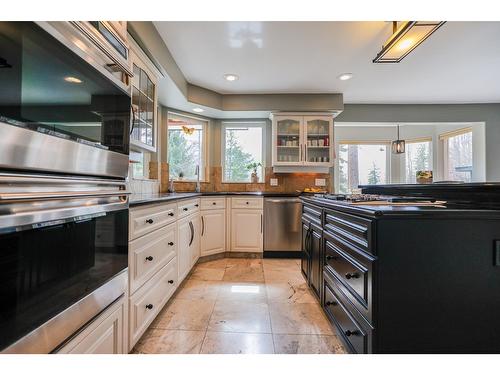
282, 254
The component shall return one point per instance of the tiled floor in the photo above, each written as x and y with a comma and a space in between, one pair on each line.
242, 306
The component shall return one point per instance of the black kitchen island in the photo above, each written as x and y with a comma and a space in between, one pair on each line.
405, 279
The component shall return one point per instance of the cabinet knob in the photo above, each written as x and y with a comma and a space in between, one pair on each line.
149, 221
170, 214
170, 244
351, 333
196, 205
149, 306
331, 257
170, 281
185, 209
247, 202
330, 303
150, 258
351, 276
214, 203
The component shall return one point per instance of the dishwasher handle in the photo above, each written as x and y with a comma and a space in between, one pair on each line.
284, 200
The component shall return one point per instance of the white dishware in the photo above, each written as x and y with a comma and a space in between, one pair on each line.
321, 142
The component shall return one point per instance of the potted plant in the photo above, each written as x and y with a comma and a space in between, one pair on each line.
253, 167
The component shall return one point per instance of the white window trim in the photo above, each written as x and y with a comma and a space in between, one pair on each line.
205, 123
361, 142
443, 139
249, 124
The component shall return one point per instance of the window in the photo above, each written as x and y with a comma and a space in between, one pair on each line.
242, 145
186, 147
418, 157
362, 164
457, 151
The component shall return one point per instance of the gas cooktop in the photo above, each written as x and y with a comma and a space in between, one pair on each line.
359, 198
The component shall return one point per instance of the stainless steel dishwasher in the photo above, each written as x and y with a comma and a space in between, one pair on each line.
282, 227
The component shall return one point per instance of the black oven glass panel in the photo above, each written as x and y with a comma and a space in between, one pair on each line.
48, 88
45, 270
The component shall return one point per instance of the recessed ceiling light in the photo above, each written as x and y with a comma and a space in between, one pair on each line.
230, 77
72, 79
198, 110
345, 76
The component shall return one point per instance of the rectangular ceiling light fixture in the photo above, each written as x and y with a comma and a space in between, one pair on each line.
405, 38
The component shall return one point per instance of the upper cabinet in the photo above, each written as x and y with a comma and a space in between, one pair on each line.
303, 141
144, 101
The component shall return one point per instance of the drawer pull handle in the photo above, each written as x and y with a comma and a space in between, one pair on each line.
185, 209
351, 333
170, 244
170, 214
349, 276
331, 257
149, 221
150, 258
328, 303
170, 281
149, 306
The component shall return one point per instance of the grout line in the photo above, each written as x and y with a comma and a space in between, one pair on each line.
208, 322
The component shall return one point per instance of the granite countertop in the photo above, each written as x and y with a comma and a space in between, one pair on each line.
140, 199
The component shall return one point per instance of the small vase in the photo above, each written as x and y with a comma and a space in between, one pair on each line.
254, 178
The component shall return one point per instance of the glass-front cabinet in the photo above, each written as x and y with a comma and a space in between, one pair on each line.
144, 102
303, 140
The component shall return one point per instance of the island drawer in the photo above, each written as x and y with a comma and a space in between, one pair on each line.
352, 332
145, 219
211, 203
353, 230
311, 213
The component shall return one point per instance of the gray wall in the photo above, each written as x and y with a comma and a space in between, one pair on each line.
487, 113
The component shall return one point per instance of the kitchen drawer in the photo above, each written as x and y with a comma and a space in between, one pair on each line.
145, 219
149, 300
213, 203
188, 207
356, 337
149, 253
247, 202
311, 213
353, 230
352, 269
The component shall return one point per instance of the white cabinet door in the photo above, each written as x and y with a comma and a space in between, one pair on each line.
105, 335
213, 232
184, 241
318, 138
246, 230
196, 243
288, 148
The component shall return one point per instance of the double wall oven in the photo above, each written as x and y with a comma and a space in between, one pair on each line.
65, 113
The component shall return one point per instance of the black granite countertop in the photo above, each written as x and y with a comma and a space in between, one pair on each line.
140, 199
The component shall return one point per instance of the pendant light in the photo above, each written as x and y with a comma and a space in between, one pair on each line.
398, 146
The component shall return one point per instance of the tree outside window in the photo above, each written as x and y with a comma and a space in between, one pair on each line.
418, 157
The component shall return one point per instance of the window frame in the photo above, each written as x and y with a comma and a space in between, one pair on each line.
418, 140
388, 161
443, 139
205, 124
248, 124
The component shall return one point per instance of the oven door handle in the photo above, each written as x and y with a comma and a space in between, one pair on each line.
13, 197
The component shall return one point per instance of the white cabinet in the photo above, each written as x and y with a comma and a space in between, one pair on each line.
246, 230
302, 140
105, 335
188, 243
213, 232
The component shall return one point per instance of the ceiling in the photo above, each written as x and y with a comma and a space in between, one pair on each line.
457, 64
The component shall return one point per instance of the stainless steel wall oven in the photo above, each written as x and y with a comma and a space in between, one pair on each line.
65, 112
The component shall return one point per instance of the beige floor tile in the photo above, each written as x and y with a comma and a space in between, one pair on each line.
280, 263
283, 274
307, 344
239, 316
208, 274
242, 291
244, 270
185, 314
213, 264
162, 341
294, 291
237, 343
299, 318
198, 289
